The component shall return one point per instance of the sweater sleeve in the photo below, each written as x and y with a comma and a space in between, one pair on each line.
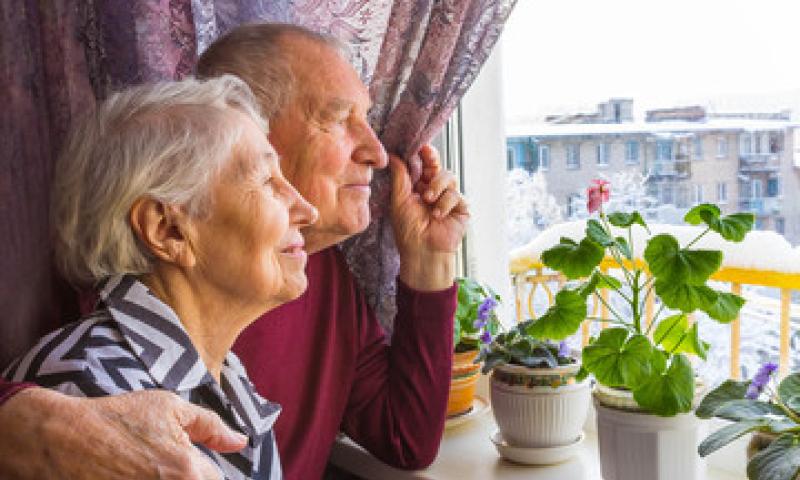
398, 402
9, 389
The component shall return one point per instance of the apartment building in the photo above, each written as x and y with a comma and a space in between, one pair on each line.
741, 162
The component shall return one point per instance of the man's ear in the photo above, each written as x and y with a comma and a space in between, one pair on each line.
164, 230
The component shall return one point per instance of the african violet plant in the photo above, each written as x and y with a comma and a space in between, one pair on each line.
476, 320
757, 406
655, 369
518, 347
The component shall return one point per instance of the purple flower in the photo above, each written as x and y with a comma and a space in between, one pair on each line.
564, 350
479, 323
486, 307
486, 337
760, 380
752, 392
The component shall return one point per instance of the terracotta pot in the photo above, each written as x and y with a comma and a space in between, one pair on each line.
539, 407
463, 378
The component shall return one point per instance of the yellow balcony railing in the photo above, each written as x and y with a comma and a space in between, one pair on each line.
529, 276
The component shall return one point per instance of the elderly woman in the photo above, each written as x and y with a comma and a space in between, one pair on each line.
170, 200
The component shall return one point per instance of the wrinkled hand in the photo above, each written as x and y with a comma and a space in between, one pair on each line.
142, 435
429, 221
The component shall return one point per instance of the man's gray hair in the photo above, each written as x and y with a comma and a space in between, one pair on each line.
167, 141
256, 53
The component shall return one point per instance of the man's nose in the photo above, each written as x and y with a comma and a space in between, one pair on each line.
370, 150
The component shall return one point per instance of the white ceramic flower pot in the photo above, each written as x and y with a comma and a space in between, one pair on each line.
539, 407
637, 445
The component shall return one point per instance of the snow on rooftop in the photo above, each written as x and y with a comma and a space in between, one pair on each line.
667, 127
760, 250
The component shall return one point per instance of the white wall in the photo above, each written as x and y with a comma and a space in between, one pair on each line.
484, 154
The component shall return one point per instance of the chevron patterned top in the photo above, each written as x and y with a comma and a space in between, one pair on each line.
134, 341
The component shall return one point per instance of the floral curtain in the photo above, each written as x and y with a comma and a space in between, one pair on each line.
418, 57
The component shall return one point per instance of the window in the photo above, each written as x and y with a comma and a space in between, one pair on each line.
511, 158
722, 192
698, 148
780, 225
756, 189
573, 156
773, 187
698, 194
544, 157
631, 152
745, 144
722, 147
602, 154
664, 150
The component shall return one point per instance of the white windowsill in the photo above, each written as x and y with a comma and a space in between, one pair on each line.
467, 453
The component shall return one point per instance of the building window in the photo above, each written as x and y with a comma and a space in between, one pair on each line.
722, 192
663, 150
773, 187
745, 144
698, 148
780, 225
756, 189
722, 147
511, 158
698, 194
573, 156
544, 157
632, 152
602, 154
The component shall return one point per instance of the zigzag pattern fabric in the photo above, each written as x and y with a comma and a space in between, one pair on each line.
133, 341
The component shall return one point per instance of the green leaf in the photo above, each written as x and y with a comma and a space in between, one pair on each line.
686, 298
675, 335
562, 319
734, 227
582, 374
670, 263
727, 391
793, 403
616, 360
623, 246
745, 409
730, 227
700, 213
670, 330
726, 435
779, 461
598, 234
726, 308
574, 260
598, 280
456, 332
669, 393
624, 220
789, 387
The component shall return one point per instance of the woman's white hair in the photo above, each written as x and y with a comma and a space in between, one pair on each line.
166, 141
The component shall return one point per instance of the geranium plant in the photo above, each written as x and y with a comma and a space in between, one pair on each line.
758, 405
476, 317
649, 360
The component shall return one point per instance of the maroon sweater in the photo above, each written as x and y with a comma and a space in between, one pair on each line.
7, 389
323, 357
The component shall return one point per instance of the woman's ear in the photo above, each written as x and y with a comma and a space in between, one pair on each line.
164, 230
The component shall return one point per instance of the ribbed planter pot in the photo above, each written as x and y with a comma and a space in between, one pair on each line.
539, 407
635, 445
463, 378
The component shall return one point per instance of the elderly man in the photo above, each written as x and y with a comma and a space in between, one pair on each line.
323, 356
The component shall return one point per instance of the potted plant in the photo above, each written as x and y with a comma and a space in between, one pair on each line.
537, 400
646, 381
771, 413
475, 322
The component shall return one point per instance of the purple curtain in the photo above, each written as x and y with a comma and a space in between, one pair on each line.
59, 56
